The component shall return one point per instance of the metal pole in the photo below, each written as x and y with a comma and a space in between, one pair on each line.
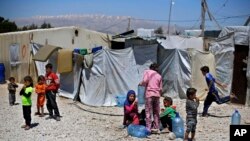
169, 17
203, 11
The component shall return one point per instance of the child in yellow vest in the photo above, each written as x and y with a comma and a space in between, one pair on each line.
26, 101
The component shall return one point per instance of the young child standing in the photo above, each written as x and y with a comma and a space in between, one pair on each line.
26, 101
12, 91
168, 113
153, 82
40, 90
192, 104
131, 114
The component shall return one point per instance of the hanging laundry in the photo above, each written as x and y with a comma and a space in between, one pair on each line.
83, 51
95, 49
77, 50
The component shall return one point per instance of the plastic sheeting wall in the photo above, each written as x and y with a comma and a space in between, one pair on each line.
175, 69
113, 73
224, 58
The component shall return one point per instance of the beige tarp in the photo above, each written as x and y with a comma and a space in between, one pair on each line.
200, 59
44, 53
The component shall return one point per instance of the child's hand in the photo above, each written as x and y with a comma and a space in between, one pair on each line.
135, 102
197, 99
162, 110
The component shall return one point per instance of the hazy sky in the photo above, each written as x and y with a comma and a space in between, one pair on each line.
183, 11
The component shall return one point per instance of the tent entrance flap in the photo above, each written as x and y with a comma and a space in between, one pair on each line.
45, 52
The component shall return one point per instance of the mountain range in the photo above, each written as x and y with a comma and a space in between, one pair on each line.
98, 22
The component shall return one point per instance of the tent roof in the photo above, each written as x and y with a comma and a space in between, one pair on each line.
44, 53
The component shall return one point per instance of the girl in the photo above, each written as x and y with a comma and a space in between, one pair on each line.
26, 101
131, 109
40, 90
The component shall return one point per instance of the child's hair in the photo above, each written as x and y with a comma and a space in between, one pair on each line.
40, 77
154, 67
49, 65
11, 78
169, 99
205, 69
190, 91
28, 78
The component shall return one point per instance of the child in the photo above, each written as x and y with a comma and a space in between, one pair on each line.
40, 90
212, 91
12, 91
167, 114
192, 104
130, 109
26, 101
153, 82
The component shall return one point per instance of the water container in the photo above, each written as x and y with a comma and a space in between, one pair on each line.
120, 99
141, 94
178, 126
235, 120
2, 73
139, 131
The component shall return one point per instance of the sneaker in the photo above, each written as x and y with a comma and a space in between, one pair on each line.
24, 126
155, 131
49, 117
41, 115
165, 130
58, 118
233, 96
27, 127
37, 113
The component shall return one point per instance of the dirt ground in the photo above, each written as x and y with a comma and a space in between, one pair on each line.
82, 122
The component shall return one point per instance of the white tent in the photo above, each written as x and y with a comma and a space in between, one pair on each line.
231, 46
114, 72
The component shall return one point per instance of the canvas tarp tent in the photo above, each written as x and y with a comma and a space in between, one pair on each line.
224, 50
65, 37
114, 72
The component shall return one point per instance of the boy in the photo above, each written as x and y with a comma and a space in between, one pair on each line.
52, 86
27, 101
192, 104
212, 91
12, 91
167, 114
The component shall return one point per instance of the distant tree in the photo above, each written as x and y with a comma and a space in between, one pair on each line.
32, 26
24, 28
159, 30
46, 25
7, 26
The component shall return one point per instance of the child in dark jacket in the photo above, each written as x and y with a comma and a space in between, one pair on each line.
12, 91
192, 104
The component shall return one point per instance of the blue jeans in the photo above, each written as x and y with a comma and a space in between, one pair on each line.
211, 97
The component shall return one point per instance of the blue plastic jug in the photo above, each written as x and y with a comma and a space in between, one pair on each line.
235, 120
139, 131
2, 73
120, 99
178, 126
141, 94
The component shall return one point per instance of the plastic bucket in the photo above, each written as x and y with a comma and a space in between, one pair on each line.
2, 73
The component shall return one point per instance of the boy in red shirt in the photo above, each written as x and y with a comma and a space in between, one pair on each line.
52, 85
